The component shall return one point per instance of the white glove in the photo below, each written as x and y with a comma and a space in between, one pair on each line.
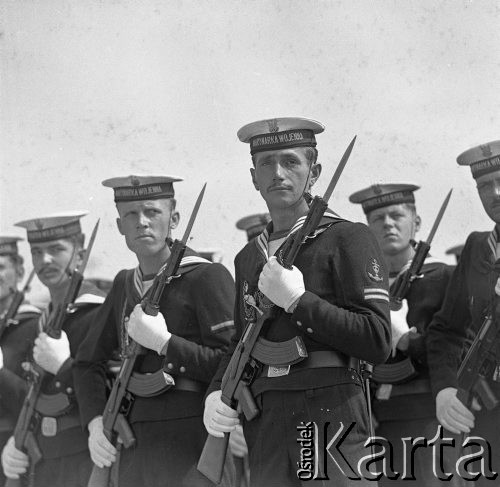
399, 326
218, 417
50, 353
282, 286
149, 331
237, 443
451, 413
102, 452
14, 461
1, 359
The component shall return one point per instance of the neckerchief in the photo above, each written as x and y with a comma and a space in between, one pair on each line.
262, 241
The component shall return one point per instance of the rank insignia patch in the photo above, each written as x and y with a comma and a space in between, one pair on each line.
373, 271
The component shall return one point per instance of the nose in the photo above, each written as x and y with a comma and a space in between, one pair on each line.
277, 172
496, 189
47, 258
142, 221
388, 221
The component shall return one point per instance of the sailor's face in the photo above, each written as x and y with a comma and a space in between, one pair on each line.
394, 226
282, 176
488, 187
54, 260
146, 224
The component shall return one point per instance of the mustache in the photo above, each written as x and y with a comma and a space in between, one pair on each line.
278, 186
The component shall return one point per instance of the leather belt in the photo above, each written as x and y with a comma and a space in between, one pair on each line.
185, 384
418, 386
315, 360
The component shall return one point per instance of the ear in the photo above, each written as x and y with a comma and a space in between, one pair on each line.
254, 181
175, 217
119, 225
315, 174
418, 222
19, 271
79, 256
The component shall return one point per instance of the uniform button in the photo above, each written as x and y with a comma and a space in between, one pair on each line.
182, 369
299, 323
309, 330
57, 384
69, 390
170, 366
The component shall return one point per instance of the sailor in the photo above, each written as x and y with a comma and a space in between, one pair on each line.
57, 248
471, 297
335, 298
185, 341
403, 405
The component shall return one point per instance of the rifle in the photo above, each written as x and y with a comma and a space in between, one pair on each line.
115, 424
403, 370
17, 300
480, 362
27, 422
243, 365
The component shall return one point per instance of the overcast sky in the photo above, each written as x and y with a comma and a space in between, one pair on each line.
94, 89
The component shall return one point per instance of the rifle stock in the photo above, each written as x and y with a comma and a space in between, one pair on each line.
478, 363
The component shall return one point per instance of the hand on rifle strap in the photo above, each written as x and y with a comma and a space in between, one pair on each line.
218, 417
50, 353
14, 462
102, 452
149, 331
282, 286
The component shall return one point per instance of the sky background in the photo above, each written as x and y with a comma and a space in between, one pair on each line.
95, 89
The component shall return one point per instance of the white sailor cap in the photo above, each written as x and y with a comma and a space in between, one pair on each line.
380, 195
253, 224
142, 187
8, 245
280, 133
482, 159
53, 227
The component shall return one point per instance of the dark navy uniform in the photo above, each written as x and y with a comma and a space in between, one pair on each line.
343, 313
467, 302
198, 308
408, 409
16, 344
62, 440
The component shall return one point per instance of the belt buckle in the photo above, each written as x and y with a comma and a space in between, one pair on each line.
49, 426
276, 371
384, 392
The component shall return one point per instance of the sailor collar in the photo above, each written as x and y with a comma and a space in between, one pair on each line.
262, 241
